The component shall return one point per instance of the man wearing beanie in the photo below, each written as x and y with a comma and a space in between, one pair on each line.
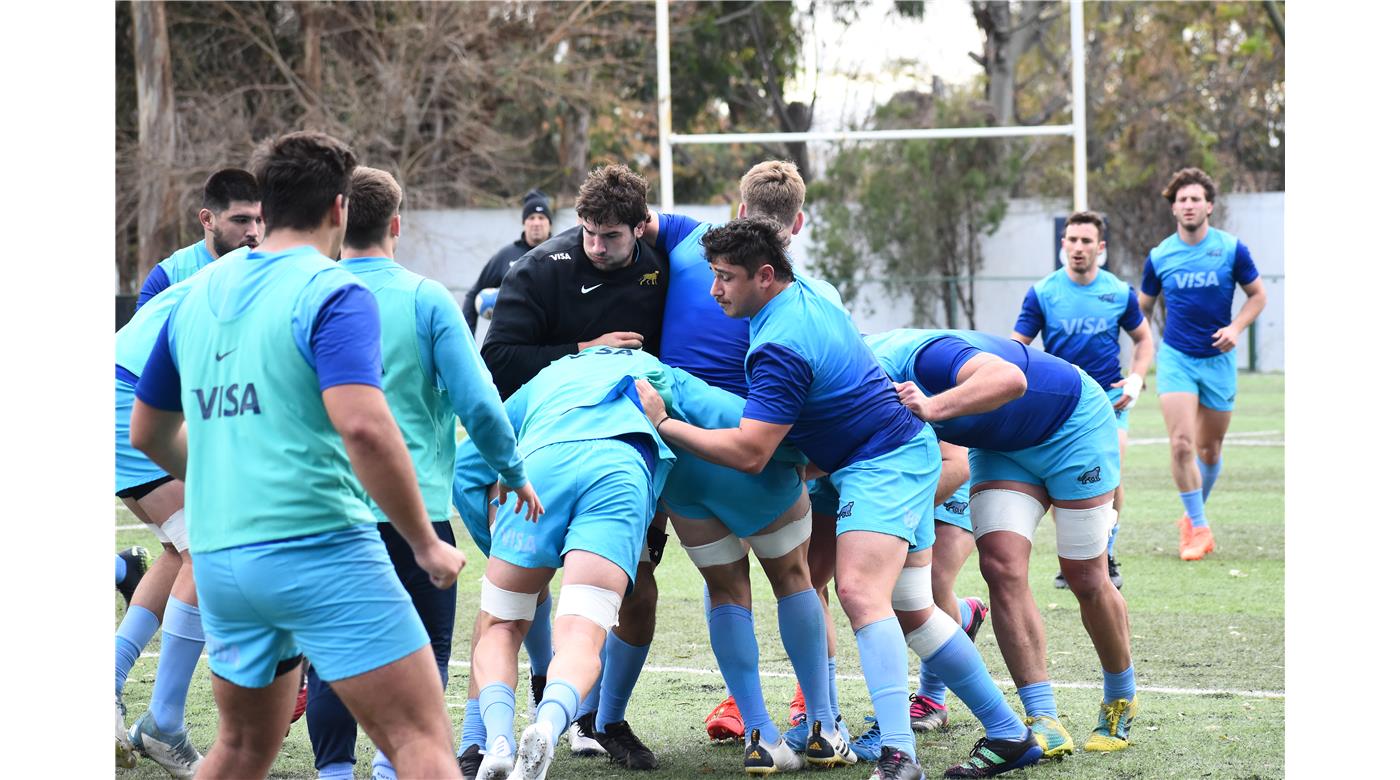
538, 222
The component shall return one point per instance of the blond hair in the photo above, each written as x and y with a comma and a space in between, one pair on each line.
773, 189
374, 200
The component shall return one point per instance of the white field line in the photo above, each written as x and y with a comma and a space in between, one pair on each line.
1242, 439
1094, 686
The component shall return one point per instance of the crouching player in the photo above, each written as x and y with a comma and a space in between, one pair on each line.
1042, 433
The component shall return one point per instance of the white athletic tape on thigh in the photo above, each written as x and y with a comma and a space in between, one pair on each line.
175, 531
599, 605
1082, 534
1005, 510
155, 529
784, 540
507, 604
913, 590
717, 553
932, 635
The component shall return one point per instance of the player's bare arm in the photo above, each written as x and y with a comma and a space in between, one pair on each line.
955, 470
985, 382
1021, 337
1227, 338
161, 435
747, 448
1144, 348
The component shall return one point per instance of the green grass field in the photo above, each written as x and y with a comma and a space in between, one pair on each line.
1207, 638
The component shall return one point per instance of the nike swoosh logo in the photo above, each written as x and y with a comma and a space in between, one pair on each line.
218, 357
587, 290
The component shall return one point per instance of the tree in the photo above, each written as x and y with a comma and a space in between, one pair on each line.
155, 136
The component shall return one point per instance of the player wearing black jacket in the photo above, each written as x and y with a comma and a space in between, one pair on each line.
538, 221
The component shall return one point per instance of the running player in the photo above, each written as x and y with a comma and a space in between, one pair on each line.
262, 393
1079, 310
432, 376
1040, 432
1196, 270
812, 380
231, 217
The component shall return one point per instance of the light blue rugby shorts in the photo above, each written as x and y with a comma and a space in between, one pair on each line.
892, 493
333, 596
744, 503
1211, 379
133, 467
1119, 415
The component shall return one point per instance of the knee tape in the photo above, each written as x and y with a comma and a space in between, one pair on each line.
778, 543
599, 605
506, 604
719, 553
913, 590
1005, 510
1082, 534
175, 532
933, 634
160, 534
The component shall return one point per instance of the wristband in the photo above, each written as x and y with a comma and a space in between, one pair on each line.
662, 420
1132, 388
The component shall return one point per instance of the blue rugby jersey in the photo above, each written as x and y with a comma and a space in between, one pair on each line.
180, 266
1197, 285
696, 334
1080, 322
931, 359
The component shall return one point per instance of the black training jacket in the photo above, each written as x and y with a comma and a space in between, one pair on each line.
492, 274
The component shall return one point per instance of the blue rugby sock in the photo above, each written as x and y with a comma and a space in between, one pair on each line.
381, 767
473, 730
136, 629
539, 640
1195, 508
498, 713
803, 630
1112, 537
1038, 699
964, 614
559, 708
736, 650
883, 661
1119, 685
959, 664
930, 684
705, 599
831, 680
1209, 473
590, 701
620, 675
344, 770
121, 569
180, 644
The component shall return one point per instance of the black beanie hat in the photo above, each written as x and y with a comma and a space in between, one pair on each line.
536, 203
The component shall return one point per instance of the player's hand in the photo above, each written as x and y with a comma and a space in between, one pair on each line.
652, 405
914, 399
524, 498
1132, 388
442, 562
624, 339
1225, 339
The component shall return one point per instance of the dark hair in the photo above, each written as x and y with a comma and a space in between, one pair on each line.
299, 175
1086, 218
1188, 176
374, 200
613, 195
752, 242
227, 186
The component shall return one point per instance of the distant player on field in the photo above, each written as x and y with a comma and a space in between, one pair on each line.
1195, 270
231, 217
432, 376
263, 394
1078, 311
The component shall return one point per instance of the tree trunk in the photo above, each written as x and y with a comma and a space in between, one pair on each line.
156, 232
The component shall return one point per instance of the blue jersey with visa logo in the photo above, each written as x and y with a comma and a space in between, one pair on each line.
696, 334
1197, 285
1079, 322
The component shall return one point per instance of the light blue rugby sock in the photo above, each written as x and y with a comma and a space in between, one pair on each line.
539, 640
1209, 473
559, 708
590, 700
705, 599
498, 713
1119, 685
1038, 699
473, 730
1195, 508
930, 684
964, 614
381, 767
121, 569
803, 631
180, 644
736, 650
1112, 537
342, 770
620, 675
959, 664
135, 631
831, 679
883, 661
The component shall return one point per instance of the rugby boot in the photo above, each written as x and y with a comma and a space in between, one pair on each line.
724, 722
469, 761
1183, 530
126, 756
1114, 575
1202, 541
761, 758
534, 753
581, 741
824, 750
623, 746
138, 560
980, 611
867, 745
1115, 718
537, 683
797, 707
497, 762
895, 764
1060, 581
991, 757
1054, 741
172, 750
925, 714
796, 737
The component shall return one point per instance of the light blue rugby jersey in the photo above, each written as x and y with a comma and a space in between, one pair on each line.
138, 336
808, 367
180, 266
1080, 322
1197, 284
696, 334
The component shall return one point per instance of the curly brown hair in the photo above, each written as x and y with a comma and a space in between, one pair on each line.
613, 195
1188, 176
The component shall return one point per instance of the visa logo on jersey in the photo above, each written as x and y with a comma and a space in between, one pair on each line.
227, 401
1084, 326
1196, 279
